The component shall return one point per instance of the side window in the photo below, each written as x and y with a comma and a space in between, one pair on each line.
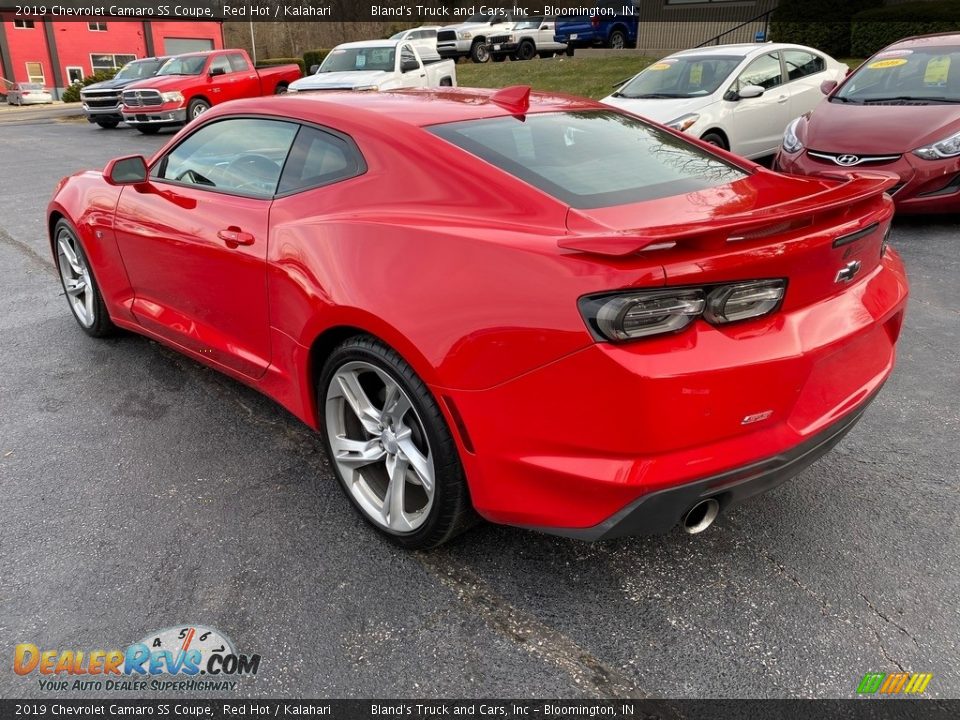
242, 155
237, 62
764, 71
320, 158
222, 62
800, 64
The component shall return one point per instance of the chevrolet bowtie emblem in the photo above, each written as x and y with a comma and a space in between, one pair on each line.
848, 271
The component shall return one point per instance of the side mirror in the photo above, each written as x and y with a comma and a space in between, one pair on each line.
409, 66
314, 68
128, 170
827, 86
750, 91
214, 71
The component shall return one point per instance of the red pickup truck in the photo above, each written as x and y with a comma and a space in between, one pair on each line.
188, 85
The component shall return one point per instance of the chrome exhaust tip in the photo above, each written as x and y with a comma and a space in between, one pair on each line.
700, 516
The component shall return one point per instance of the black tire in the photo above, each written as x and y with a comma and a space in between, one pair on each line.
148, 129
617, 40
526, 51
452, 511
569, 51
479, 52
713, 138
196, 108
499, 57
108, 124
102, 325
446, 82
280, 89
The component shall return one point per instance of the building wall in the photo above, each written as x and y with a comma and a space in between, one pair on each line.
75, 43
23, 46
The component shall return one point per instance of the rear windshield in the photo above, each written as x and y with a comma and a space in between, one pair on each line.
591, 158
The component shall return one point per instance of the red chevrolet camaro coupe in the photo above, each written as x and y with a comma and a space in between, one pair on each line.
898, 113
531, 308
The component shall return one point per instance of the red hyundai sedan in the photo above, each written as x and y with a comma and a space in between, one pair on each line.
535, 309
898, 113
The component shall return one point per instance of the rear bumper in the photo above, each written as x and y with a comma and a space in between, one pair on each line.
661, 511
926, 186
576, 446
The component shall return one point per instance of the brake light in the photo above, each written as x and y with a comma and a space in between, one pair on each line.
595, 21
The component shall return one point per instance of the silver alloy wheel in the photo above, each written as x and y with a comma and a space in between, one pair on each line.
198, 110
76, 278
380, 447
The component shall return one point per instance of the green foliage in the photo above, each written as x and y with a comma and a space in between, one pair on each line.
72, 93
874, 29
314, 57
271, 62
823, 24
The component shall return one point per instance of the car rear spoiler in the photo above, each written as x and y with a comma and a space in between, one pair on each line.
714, 231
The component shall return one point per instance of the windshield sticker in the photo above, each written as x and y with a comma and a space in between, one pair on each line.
663, 65
884, 64
937, 70
361, 61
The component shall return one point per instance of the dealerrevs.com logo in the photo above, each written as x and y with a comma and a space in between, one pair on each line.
189, 657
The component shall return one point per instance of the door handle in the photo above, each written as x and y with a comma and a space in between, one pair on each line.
782, 99
234, 237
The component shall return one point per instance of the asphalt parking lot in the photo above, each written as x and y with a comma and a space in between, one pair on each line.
140, 491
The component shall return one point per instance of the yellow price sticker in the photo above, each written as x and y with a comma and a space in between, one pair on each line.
661, 66
883, 64
937, 70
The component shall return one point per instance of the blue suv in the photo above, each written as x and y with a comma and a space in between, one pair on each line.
610, 23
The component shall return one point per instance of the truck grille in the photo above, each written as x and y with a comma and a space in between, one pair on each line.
141, 98
447, 36
101, 98
499, 39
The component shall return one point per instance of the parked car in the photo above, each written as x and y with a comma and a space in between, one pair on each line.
423, 38
188, 85
526, 39
101, 101
899, 112
610, 23
738, 97
469, 38
535, 308
28, 94
378, 65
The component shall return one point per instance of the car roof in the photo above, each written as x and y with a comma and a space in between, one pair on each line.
739, 49
368, 43
417, 108
927, 41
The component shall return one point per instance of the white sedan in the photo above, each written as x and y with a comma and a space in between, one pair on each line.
739, 97
28, 94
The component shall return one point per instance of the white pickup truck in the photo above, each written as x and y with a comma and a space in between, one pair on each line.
378, 65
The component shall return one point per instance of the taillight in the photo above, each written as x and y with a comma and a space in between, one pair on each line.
595, 21
629, 315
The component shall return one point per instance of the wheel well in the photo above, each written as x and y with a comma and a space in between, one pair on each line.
55, 217
199, 97
324, 344
720, 133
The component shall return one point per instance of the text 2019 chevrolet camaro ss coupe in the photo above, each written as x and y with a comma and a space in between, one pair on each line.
537, 309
